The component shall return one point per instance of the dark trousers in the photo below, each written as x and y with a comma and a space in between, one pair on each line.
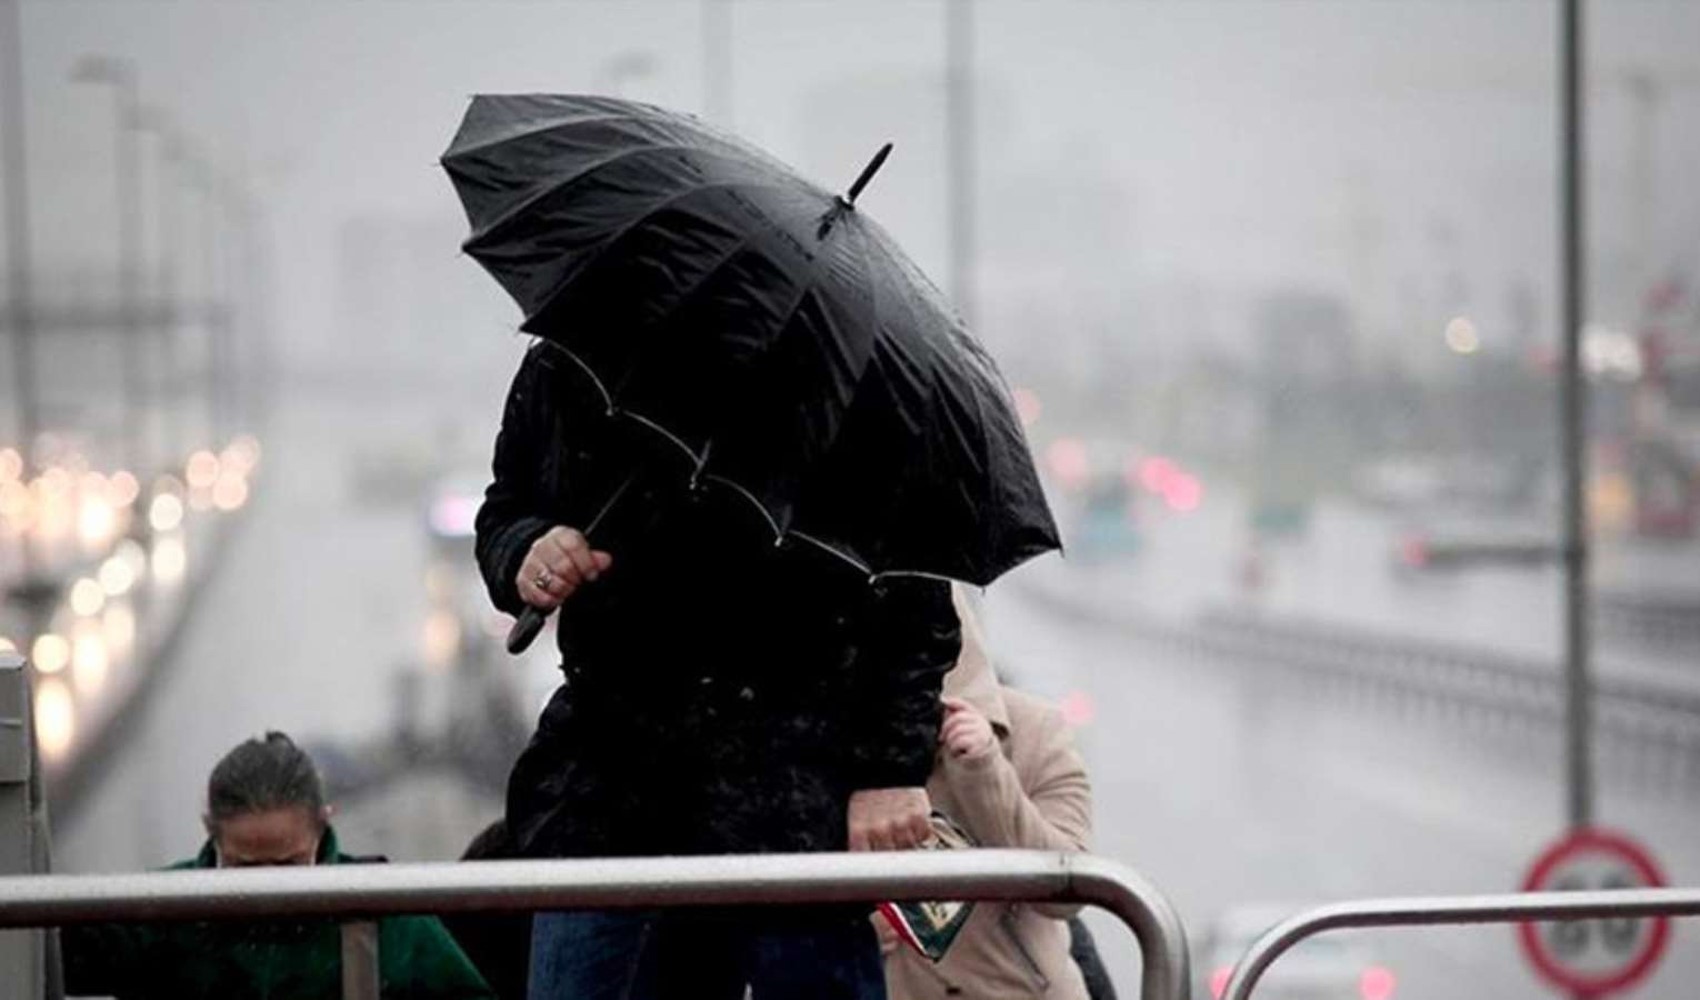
696, 954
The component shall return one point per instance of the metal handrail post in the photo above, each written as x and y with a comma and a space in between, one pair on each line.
354, 892
362, 977
1429, 911
1139, 904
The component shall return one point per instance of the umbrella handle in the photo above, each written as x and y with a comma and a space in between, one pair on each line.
525, 629
531, 620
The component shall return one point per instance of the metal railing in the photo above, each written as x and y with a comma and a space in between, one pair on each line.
356, 894
1432, 910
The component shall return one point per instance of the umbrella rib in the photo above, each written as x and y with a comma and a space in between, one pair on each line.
696, 460
834, 550
778, 532
882, 574
608, 400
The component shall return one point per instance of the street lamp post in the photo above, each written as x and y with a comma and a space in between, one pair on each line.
214, 294
172, 159
120, 76
14, 164
20, 299
1573, 427
959, 150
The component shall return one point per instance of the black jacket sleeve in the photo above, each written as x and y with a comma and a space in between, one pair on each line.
514, 512
911, 638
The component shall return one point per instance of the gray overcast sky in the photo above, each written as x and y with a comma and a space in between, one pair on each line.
1371, 144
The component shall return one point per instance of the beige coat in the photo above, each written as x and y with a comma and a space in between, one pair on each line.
1032, 795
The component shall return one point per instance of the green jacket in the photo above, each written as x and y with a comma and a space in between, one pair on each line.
271, 960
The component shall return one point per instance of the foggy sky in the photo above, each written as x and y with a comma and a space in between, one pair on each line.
1399, 153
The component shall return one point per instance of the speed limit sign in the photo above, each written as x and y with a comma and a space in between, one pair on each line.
1591, 958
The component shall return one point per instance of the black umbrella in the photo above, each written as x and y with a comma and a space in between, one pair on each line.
773, 333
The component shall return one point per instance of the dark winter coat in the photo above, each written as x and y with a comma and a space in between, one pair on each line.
722, 693
261, 960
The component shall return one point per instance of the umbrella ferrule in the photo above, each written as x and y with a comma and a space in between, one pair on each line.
842, 204
867, 174
830, 218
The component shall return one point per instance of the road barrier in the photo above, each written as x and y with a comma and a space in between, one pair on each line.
1630, 711
1438, 910
356, 894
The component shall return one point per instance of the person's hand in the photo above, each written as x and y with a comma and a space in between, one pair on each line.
558, 564
890, 819
883, 931
966, 733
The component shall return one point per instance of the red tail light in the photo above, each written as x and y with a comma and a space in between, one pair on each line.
1413, 552
1219, 981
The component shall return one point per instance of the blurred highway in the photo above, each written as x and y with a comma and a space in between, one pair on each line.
1357, 567
317, 614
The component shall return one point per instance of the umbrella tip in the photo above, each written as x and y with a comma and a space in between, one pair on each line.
868, 173
841, 205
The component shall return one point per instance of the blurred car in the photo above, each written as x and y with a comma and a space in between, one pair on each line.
1453, 541
1332, 966
1399, 482
1413, 483
1108, 521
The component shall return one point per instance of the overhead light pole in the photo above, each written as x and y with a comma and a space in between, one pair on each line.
20, 295
220, 367
119, 76
1579, 753
173, 162
959, 151
14, 174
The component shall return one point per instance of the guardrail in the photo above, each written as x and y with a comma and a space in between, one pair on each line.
355, 894
1429, 911
1627, 708
1629, 711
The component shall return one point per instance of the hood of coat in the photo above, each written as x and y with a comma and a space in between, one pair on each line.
972, 679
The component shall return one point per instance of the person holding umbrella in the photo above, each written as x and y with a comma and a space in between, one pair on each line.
743, 461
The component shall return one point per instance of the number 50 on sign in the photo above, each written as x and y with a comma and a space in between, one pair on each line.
1592, 958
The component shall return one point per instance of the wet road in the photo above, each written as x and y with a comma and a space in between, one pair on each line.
1231, 786
1347, 570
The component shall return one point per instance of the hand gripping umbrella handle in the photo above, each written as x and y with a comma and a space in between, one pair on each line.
525, 629
530, 621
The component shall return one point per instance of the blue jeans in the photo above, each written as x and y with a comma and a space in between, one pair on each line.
695, 954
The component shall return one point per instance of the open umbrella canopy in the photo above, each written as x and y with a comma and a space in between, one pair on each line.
776, 335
